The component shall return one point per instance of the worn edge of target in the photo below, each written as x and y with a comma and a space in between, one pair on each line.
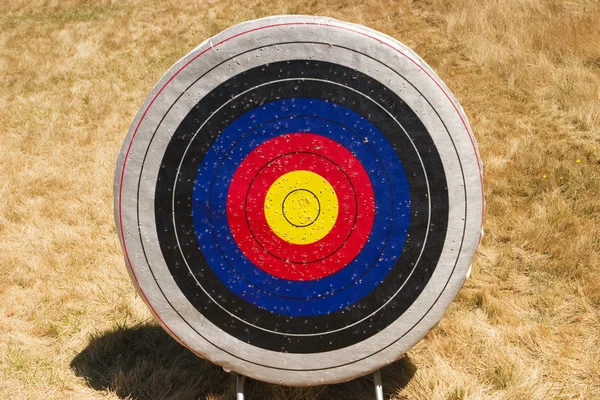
316, 376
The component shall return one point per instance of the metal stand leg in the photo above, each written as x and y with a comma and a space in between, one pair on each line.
240, 379
239, 386
378, 385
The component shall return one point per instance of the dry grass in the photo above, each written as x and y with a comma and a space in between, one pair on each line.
72, 75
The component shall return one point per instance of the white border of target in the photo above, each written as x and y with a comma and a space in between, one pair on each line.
463, 167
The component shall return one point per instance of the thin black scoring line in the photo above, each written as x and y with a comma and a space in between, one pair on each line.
314, 219
266, 165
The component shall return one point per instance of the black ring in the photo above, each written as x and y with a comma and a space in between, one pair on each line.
418, 136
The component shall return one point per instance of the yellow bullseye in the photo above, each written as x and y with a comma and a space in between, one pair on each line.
301, 207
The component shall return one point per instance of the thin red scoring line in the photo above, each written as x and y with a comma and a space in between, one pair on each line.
218, 44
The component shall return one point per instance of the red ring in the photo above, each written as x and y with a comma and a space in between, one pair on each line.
258, 170
305, 253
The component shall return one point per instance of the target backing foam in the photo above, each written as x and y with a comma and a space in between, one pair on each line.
299, 200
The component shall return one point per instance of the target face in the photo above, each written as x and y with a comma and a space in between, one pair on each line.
299, 200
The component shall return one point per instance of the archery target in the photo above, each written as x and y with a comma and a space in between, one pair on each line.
299, 200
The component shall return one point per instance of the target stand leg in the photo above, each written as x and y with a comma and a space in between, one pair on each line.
378, 385
240, 379
239, 386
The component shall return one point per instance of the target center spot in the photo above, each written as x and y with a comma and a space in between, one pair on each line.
301, 207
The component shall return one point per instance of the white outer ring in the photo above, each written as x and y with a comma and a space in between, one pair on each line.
302, 369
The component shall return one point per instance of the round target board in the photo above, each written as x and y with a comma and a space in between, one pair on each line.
299, 200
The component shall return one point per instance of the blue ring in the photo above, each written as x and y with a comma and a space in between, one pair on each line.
374, 261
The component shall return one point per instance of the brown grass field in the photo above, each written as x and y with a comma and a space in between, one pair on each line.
74, 73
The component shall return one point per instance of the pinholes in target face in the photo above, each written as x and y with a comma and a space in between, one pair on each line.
299, 200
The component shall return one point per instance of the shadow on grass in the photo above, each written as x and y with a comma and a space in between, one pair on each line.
144, 362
